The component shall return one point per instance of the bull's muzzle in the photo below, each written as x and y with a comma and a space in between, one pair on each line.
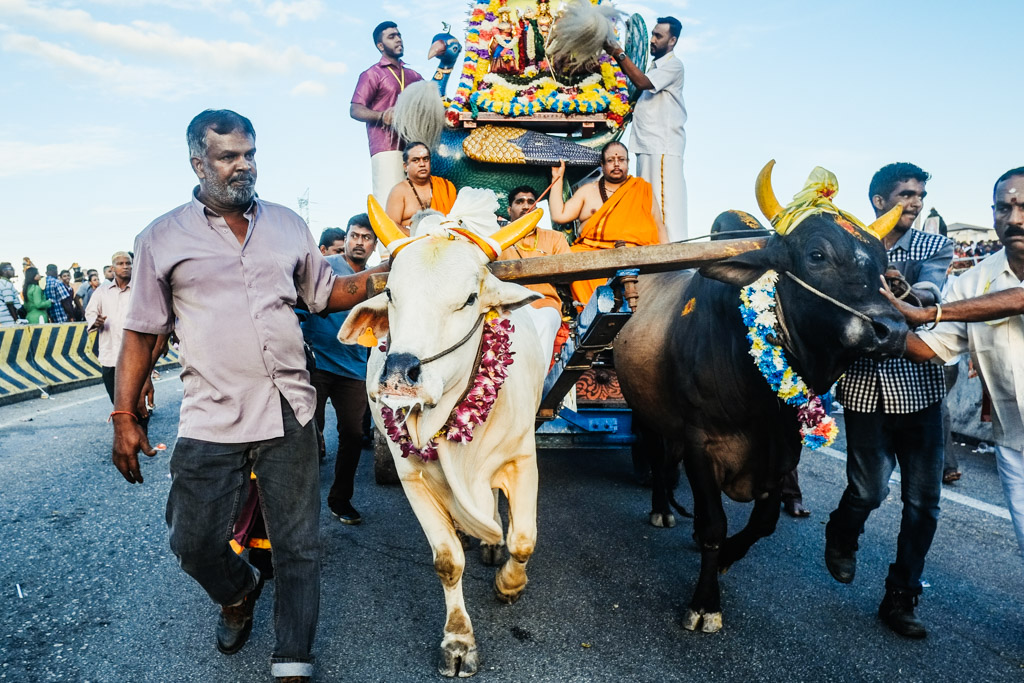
401, 373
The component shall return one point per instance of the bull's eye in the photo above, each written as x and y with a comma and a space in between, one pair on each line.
817, 256
470, 301
387, 292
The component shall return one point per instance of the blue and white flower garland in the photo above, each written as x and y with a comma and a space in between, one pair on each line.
817, 429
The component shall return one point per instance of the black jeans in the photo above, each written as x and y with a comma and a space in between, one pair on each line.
875, 442
208, 483
108, 382
349, 399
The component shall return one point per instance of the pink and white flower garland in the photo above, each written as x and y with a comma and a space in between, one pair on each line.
495, 357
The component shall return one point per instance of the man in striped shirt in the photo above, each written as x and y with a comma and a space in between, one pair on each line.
893, 413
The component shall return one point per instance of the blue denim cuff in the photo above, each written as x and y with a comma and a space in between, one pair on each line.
290, 668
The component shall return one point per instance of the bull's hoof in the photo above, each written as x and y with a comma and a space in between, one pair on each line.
691, 620
463, 539
458, 659
507, 598
712, 622
492, 554
708, 622
663, 520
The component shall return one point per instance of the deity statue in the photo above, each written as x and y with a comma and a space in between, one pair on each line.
504, 57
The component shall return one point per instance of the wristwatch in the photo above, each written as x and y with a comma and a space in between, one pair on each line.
619, 57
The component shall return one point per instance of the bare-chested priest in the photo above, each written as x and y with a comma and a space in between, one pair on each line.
616, 208
420, 190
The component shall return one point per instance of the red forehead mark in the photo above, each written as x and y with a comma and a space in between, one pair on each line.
852, 229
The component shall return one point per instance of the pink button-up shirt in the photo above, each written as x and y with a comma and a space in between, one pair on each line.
377, 89
110, 301
231, 306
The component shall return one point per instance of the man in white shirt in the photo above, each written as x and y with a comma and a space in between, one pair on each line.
106, 312
658, 138
983, 313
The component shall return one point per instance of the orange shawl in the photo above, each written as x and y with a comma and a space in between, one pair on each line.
626, 216
442, 194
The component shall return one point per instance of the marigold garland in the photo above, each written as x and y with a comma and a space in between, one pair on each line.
495, 357
817, 429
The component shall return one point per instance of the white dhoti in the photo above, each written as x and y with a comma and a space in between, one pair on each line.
1010, 464
387, 170
665, 174
547, 321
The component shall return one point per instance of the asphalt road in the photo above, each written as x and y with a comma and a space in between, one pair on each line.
102, 599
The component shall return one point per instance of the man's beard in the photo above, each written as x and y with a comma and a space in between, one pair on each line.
231, 193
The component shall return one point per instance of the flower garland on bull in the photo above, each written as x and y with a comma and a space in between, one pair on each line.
758, 299
530, 93
474, 409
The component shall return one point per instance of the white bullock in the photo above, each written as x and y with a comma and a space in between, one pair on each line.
449, 327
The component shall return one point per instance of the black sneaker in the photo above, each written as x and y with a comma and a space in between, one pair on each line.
897, 611
345, 513
840, 557
235, 623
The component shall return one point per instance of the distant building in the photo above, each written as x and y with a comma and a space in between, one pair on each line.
964, 232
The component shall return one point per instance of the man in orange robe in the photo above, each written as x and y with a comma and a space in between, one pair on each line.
420, 190
617, 210
547, 312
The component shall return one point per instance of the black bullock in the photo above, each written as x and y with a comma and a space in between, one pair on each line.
684, 366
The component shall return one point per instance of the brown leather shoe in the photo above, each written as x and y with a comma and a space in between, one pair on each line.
235, 621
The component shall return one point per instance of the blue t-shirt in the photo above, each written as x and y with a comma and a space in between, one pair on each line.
347, 360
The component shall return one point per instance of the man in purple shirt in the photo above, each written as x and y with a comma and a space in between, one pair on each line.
373, 103
224, 271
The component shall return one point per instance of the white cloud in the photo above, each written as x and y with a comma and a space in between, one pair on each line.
91, 149
303, 10
124, 79
310, 88
163, 42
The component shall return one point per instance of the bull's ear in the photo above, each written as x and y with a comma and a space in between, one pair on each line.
505, 296
372, 314
742, 269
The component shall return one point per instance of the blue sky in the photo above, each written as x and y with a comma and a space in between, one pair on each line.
95, 97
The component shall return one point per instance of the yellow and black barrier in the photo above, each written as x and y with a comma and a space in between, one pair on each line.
43, 359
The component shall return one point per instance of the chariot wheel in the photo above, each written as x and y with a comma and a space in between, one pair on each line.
384, 472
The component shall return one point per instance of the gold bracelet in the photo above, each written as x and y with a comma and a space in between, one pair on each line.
938, 316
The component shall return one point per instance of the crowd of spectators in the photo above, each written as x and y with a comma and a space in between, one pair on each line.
50, 296
967, 254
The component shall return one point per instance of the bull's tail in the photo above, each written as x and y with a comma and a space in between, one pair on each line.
675, 504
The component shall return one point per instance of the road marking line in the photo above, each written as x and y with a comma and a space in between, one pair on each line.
55, 409
980, 505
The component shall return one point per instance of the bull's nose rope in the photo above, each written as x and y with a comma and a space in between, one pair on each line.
495, 355
758, 310
817, 292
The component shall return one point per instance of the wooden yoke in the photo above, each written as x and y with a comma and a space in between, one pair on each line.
565, 268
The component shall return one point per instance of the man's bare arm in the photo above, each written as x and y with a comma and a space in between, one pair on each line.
633, 73
134, 364
917, 351
563, 211
659, 220
350, 290
395, 208
991, 306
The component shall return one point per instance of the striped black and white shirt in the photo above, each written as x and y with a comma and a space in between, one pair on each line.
896, 385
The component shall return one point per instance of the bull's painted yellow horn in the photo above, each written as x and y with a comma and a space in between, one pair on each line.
381, 222
517, 229
884, 224
766, 200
